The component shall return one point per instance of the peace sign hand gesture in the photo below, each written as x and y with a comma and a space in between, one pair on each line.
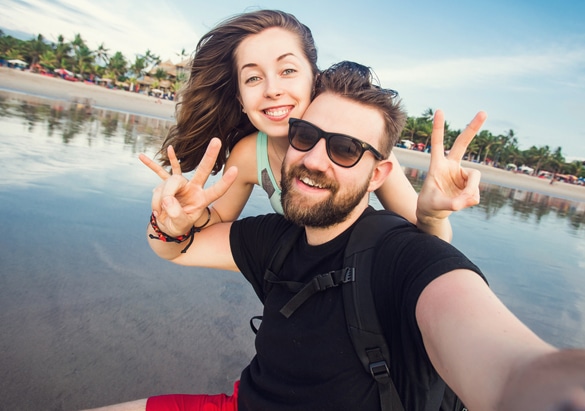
177, 203
448, 186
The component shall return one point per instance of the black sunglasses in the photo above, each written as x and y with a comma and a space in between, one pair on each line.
345, 151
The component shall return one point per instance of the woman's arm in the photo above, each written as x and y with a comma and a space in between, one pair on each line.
229, 206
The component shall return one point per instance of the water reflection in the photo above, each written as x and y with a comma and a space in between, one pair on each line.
527, 206
78, 119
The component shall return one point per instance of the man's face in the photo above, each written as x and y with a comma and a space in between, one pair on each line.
315, 191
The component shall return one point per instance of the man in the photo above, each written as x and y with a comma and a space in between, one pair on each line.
441, 320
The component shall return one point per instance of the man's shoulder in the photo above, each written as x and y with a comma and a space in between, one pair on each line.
265, 225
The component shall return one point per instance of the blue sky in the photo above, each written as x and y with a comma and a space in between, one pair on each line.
523, 62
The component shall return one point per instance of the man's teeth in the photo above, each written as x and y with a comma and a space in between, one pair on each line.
310, 182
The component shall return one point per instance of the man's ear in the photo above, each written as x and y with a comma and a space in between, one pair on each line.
379, 174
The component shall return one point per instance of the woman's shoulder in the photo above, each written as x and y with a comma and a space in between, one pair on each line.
245, 146
243, 156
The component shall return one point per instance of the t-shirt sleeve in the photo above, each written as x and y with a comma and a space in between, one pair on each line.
253, 241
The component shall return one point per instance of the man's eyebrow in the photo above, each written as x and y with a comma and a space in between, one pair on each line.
279, 58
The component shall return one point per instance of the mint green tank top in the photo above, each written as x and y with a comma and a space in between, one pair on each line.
266, 179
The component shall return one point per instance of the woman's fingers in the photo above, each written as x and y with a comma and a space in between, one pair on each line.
154, 166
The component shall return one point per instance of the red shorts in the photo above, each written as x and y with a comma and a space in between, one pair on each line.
185, 402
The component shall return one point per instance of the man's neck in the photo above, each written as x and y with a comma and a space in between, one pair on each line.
318, 236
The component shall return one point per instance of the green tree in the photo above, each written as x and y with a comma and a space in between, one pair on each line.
83, 60
160, 74
101, 55
138, 67
48, 60
35, 48
118, 66
537, 156
63, 52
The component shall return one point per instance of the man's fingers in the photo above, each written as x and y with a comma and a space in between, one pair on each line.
462, 142
154, 166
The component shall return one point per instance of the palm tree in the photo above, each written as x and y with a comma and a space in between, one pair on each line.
537, 156
36, 47
118, 66
84, 60
150, 58
183, 54
137, 68
62, 51
428, 114
48, 60
506, 141
101, 54
160, 74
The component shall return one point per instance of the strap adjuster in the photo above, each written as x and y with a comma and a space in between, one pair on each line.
379, 370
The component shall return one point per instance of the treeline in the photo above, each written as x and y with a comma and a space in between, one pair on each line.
85, 63
498, 150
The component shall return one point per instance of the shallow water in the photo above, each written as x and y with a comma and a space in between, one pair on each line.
89, 316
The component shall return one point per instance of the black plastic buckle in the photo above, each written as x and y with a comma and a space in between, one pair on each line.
379, 369
348, 275
325, 281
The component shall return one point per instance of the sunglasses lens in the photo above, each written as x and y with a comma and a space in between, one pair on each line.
344, 150
303, 137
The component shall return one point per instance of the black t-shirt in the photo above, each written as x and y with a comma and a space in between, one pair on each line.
307, 362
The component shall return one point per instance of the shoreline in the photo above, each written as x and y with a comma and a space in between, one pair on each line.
27, 83
38, 85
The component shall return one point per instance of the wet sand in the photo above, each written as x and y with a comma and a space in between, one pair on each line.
56, 88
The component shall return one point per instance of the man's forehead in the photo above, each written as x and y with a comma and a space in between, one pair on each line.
339, 114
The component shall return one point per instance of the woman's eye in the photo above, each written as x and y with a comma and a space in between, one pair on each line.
289, 71
252, 79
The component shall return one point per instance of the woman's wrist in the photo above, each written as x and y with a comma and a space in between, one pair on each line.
435, 225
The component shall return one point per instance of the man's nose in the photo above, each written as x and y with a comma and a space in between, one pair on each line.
317, 158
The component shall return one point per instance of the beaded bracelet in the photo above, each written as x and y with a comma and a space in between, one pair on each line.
160, 235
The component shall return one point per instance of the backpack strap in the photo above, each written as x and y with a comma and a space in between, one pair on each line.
285, 244
358, 300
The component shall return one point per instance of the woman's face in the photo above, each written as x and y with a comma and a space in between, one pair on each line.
274, 79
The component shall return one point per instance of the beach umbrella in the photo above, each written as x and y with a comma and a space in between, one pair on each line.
18, 62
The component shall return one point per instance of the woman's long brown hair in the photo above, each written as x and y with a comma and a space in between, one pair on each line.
208, 105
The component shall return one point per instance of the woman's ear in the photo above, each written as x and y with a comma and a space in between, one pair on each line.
379, 174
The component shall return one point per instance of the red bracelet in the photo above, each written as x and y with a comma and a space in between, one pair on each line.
168, 239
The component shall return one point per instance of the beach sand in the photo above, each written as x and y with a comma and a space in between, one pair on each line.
119, 100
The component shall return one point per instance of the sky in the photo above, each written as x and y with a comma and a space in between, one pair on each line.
523, 62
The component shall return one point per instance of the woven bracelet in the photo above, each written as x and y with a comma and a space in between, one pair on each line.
207, 222
165, 238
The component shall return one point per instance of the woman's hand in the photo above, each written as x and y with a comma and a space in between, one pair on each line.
177, 202
448, 187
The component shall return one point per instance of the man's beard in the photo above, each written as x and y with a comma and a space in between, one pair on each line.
329, 212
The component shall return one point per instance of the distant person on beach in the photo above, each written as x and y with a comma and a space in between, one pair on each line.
250, 75
443, 324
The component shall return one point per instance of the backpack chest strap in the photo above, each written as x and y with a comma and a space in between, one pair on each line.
320, 282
